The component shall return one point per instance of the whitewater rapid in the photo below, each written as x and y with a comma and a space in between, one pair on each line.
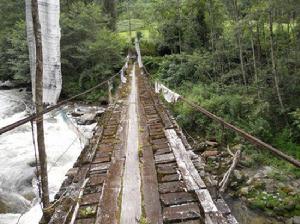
18, 191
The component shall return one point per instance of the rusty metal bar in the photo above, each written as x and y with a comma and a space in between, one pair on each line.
253, 140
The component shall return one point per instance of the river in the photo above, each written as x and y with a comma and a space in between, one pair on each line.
18, 191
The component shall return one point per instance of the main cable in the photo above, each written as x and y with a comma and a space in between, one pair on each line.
49, 109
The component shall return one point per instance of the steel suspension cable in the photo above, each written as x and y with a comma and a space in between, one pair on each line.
51, 108
250, 138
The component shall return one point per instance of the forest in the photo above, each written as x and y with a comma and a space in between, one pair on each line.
239, 59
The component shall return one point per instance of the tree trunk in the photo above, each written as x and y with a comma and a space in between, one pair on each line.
212, 35
39, 105
241, 58
179, 28
254, 60
274, 66
129, 21
109, 7
212, 22
237, 17
258, 43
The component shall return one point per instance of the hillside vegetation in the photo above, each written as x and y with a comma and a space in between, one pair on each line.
239, 59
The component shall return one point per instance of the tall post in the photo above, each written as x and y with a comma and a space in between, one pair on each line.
39, 105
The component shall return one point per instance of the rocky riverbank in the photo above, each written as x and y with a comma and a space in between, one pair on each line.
5, 85
272, 194
66, 131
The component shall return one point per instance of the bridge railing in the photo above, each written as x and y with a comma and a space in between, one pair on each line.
250, 138
35, 116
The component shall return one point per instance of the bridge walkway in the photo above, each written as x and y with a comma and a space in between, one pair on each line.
138, 168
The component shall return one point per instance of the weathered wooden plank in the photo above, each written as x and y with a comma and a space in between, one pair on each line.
231, 219
101, 159
90, 199
99, 167
82, 172
162, 151
164, 116
97, 179
165, 158
170, 187
206, 200
215, 218
159, 141
85, 221
198, 221
92, 189
185, 165
158, 146
181, 213
172, 177
163, 170
222, 206
150, 188
177, 198
108, 208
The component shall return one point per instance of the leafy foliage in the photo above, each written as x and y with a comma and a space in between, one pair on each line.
90, 52
14, 59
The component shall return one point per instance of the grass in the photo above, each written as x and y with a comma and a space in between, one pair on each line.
125, 34
277, 203
140, 151
143, 220
136, 24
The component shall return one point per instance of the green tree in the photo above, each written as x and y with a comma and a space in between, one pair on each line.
90, 52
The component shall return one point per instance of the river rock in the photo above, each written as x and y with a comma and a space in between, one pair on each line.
259, 184
237, 147
76, 114
211, 143
87, 119
290, 206
267, 170
202, 173
238, 175
13, 203
192, 155
7, 84
244, 190
208, 154
249, 181
296, 220
32, 163
234, 184
264, 172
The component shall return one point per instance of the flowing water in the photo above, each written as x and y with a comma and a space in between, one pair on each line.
18, 191
245, 215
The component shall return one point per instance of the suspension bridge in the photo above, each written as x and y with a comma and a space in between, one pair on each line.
139, 167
